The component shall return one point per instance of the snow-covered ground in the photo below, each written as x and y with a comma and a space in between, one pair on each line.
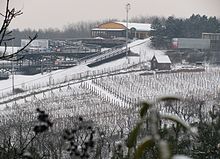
21, 81
83, 99
104, 95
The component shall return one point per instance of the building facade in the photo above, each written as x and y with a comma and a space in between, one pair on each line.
118, 30
211, 36
214, 40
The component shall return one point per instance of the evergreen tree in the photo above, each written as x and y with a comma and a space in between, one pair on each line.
192, 27
213, 25
174, 28
158, 34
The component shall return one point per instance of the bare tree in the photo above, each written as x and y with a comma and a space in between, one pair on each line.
6, 35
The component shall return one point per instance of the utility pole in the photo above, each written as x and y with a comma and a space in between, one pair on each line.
13, 79
128, 7
13, 70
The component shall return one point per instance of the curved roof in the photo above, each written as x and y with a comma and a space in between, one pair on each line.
123, 26
111, 25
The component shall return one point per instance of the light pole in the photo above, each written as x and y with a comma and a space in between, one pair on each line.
12, 70
128, 7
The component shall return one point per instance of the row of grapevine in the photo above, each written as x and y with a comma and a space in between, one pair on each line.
68, 103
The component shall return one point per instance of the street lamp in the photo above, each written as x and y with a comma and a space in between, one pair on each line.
128, 7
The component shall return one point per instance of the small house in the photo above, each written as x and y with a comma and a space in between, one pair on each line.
160, 62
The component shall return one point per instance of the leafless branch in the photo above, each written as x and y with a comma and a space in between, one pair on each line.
6, 35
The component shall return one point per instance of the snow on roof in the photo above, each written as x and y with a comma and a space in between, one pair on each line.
162, 58
137, 26
212, 33
108, 29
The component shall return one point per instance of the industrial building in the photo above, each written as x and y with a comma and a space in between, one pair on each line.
214, 40
211, 36
118, 29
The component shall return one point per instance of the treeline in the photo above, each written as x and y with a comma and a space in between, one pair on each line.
75, 30
192, 27
164, 29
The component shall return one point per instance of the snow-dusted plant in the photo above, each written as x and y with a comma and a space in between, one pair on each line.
153, 140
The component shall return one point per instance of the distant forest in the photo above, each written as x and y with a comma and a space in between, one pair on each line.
77, 30
164, 29
192, 27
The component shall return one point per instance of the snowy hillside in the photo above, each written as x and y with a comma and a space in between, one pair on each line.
83, 98
141, 47
108, 94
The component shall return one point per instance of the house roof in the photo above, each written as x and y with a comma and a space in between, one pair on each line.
119, 26
137, 26
162, 58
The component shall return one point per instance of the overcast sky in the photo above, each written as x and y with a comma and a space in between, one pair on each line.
57, 13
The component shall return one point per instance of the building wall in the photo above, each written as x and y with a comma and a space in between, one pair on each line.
190, 43
121, 33
107, 34
214, 40
141, 34
153, 63
211, 36
163, 66
215, 45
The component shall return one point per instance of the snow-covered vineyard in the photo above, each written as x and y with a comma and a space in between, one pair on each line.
110, 101
109, 95
201, 85
68, 103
